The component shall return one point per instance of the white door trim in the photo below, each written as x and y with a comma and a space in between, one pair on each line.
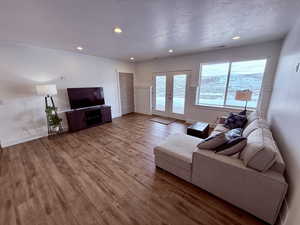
169, 94
119, 90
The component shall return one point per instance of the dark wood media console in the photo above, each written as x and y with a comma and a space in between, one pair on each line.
88, 117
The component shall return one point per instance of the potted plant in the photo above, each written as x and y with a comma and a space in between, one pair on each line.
53, 119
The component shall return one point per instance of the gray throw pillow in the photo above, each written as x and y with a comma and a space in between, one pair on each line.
232, 146
212, 142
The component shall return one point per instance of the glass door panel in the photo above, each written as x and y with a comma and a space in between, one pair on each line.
169, 94
179, 92
160, 92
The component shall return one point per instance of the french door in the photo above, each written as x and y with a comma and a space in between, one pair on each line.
170, 93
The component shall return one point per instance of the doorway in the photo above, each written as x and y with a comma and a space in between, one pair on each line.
126, 93
169, 94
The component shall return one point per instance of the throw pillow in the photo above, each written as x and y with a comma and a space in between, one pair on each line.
243, 113
212, 142
235, 121
231, 147
234, 133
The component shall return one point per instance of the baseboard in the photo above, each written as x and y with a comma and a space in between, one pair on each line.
189, 121
5, 144
9, 143
143, 113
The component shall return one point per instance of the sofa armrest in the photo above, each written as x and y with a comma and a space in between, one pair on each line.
226, 177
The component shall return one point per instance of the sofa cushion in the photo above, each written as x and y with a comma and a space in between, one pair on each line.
175, 155
232, 146
235, 121
279, 165
212, 141
180, 146
258, 123
174, 165
252, 116
260, 152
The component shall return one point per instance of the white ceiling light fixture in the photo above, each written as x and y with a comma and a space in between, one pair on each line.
118, 30
171, 51
79, 48
236, 38
131, 58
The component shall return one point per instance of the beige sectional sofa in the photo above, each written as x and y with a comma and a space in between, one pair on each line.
253, 180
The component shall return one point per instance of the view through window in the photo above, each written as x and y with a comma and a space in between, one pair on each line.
161, 82
219, 82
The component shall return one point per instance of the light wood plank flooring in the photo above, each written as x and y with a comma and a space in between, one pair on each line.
104, 175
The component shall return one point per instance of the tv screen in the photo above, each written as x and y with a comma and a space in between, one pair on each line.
85, 97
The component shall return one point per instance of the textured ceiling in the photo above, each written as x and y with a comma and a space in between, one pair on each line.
150, 27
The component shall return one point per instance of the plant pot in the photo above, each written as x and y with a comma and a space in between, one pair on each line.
55, 129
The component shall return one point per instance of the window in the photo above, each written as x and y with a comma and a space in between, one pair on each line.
219, 82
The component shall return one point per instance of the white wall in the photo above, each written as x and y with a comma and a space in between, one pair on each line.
284, 115
21, 68
144, 71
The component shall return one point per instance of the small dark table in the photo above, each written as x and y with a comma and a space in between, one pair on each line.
198, 129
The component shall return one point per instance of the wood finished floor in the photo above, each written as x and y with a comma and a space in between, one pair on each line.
104, 175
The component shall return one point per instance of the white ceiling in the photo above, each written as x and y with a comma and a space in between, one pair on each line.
150, 27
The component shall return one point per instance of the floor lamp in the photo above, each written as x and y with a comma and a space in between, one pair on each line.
243, 95
54, 123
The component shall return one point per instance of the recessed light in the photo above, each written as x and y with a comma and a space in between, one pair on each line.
131, 58
79, 48
236, 38
170, 51
118, 30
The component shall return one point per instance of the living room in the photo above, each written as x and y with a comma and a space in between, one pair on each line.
97, 107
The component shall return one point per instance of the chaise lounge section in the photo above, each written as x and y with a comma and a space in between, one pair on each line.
253, 181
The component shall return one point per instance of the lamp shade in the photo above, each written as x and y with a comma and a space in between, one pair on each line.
243, 95
46, 90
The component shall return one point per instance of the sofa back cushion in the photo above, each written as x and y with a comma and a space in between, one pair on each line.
252, 116
258, 123
279, 165
260, 152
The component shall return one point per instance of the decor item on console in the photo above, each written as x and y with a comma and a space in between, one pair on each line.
243, 95
54, 123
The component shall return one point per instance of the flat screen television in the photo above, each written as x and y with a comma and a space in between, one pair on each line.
85, 97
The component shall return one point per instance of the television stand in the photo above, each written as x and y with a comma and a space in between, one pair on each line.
88, 117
